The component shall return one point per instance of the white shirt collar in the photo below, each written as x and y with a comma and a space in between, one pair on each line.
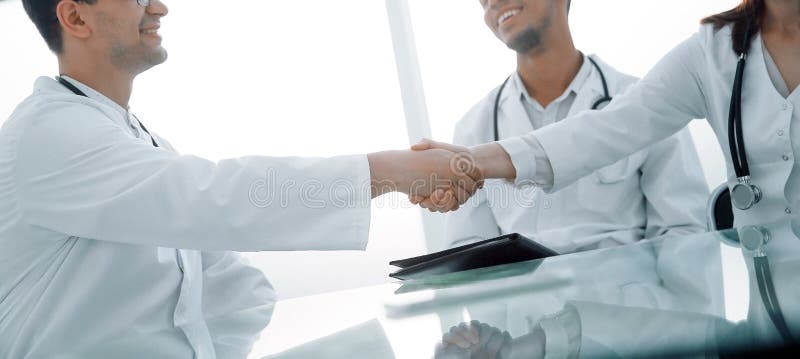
574, 86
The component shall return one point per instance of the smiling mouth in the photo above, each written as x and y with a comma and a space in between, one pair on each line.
150, 31
506, 16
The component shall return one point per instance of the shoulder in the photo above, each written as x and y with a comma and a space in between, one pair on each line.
59, 123
618, 81
52, 110
476, 125
50, 104
716, 42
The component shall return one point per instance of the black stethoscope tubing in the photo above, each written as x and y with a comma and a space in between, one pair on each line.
769, 298
606, 97
751, 193
743, 194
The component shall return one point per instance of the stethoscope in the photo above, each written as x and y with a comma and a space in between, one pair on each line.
605, 99
743, 194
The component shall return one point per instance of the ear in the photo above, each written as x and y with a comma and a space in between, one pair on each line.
70, 16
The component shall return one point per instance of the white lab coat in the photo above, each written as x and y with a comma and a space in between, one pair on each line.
693, 81
90, 214
656, 191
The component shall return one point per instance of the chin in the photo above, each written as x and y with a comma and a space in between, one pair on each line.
157, 57
525, 41
153, 59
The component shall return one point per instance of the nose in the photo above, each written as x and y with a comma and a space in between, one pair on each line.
157, 8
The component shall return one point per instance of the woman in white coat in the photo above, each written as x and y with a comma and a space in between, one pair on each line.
695, 80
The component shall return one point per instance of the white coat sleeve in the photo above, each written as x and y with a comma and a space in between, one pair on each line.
82, 175
473, 221
662, 103
639, 332
237, 303
674, 188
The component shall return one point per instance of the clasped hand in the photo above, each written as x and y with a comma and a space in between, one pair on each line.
444, 199
439, 176
436, 176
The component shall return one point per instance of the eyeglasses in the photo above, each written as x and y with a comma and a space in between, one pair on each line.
142, 3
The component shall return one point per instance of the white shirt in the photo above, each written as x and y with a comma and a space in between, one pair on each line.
693, 81
90, 214
619, 204
556, 110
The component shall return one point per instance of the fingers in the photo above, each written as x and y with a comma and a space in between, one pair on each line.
480, 340
467, 186
468, 176
443, 201
474, 172
454, 338
496, 343
422, 145
427, 144
453, 174
462, 335
472, 334
450, 203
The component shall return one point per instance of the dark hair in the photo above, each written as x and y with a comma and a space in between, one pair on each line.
745, 17
43, 15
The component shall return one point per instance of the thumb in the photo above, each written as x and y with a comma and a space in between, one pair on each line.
423, 144
415, 199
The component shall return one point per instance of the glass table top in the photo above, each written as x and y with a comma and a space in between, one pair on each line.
657, 297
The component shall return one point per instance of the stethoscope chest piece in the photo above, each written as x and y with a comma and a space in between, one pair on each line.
744, 194
754, 239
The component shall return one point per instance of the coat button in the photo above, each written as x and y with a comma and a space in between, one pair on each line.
547, 204
780, 132
785, 157
785, 106
788, 210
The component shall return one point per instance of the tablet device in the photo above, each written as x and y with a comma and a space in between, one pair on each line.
509, 248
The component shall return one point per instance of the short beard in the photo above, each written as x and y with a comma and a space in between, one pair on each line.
138, 60
529, 39
532, 37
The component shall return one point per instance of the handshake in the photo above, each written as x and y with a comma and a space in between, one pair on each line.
438, 176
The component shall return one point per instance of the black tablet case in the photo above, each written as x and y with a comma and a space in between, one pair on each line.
510, 248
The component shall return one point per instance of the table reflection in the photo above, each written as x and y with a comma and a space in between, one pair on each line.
655, 298
591, 328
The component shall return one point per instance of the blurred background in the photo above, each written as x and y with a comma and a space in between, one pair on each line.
319, 78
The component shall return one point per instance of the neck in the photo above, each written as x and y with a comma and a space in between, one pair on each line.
782, 16
548, 70
103, 78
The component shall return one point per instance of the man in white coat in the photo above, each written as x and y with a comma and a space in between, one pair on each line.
657, 191
112, 245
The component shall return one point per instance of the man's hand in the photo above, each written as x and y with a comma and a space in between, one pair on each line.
490, 158
448, 176
441, 200
477, 339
